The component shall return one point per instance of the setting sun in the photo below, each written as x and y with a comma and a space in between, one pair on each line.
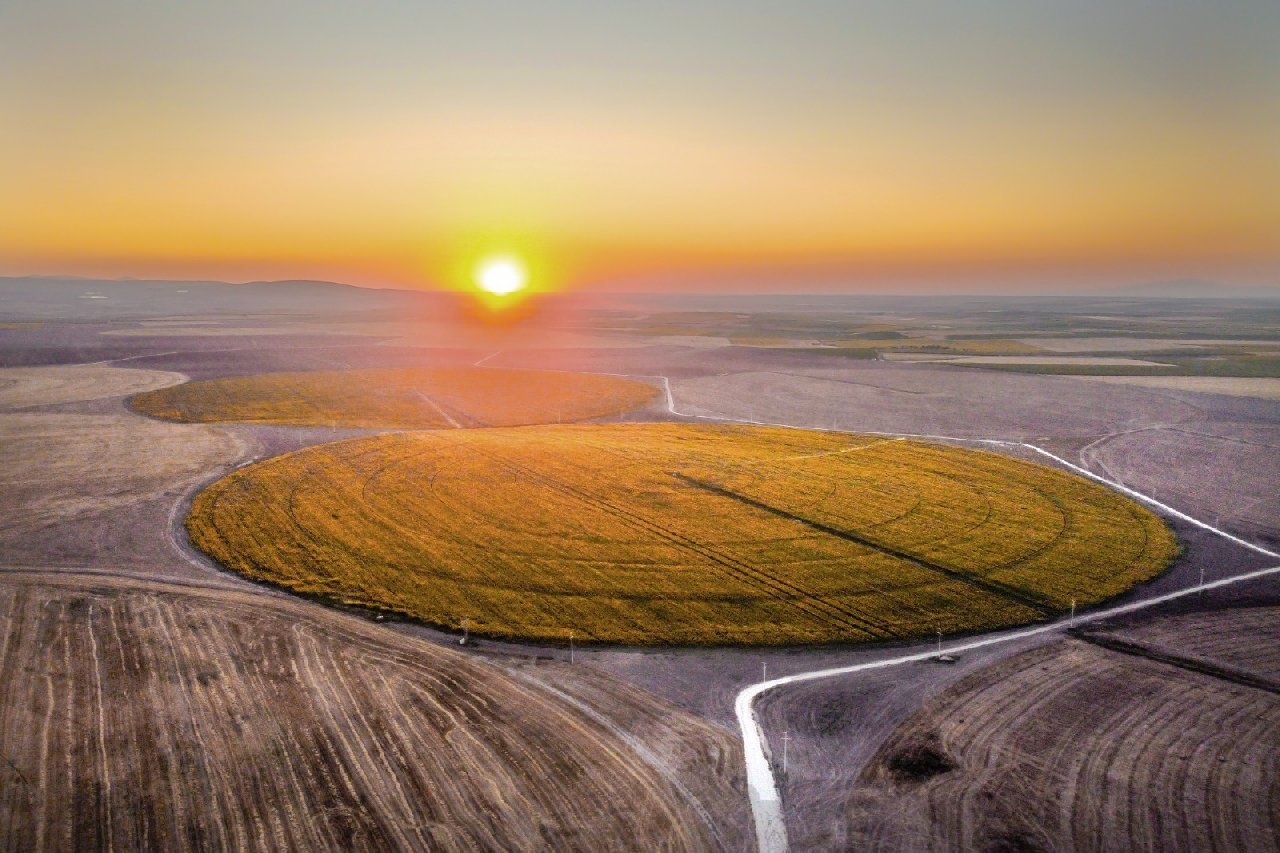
500, 276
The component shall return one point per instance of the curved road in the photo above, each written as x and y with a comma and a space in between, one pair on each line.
766, 803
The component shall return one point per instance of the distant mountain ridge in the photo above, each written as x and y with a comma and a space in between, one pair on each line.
66, 297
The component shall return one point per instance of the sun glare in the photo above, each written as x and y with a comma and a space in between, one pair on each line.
500, 276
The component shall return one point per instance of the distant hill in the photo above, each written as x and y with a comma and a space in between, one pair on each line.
67, 298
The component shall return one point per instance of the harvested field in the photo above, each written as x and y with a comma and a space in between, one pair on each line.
1078, 747
974, 348
426, 398
877, 396
1126, 344
1247, 638
658, 534
150, 716
23, 387
1232, 386
63, 466
1082, 360
1221, 471
698, 341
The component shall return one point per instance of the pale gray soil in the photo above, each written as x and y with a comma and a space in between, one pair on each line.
1153, 742
1210, 455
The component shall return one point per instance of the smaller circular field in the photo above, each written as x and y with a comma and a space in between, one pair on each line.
680, 534
405, 398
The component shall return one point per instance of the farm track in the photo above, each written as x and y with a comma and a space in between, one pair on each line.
149, 715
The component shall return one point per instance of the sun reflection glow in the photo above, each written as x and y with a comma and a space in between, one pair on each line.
500, 276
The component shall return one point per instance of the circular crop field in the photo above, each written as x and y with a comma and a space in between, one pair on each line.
680, 534
404, 398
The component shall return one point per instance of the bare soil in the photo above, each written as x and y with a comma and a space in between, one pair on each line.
60, 467
1075, 746
140, 715
1263, 388
25, 387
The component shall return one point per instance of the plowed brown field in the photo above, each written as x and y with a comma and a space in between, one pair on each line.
1076, 746
140, 715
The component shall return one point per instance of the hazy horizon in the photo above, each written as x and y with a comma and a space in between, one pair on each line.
997, 146
1185, 287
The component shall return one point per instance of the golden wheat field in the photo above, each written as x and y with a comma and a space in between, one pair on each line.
679, 534
404, 398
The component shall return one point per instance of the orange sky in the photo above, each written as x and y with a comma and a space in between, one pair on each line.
727, 145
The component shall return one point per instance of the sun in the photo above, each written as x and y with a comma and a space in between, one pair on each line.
500, 276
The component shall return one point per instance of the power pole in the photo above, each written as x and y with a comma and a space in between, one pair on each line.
764, 670
939, 644
570, 647
1073, 610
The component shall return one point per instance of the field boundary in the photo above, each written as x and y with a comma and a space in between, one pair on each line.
1170, 657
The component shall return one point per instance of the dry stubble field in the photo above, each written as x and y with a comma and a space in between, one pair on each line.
665, 533
1080, 746
141, 715
23, 387
398, 398
62, 466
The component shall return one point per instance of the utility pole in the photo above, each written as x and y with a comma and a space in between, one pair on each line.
939, 644
570, 647
786, 737
1073, 610
764, 670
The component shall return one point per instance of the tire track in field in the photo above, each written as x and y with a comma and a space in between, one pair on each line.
645, 754
778, 588
433, 404
1235, 675
989, 586
363, 740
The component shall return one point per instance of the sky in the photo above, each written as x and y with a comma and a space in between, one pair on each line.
644, 145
